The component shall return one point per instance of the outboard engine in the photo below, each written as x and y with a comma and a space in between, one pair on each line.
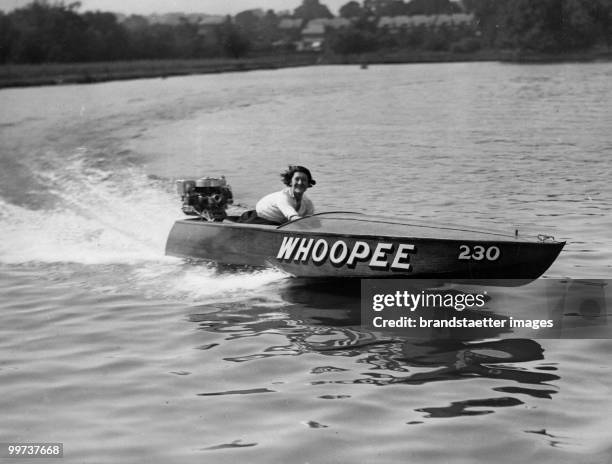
207, 197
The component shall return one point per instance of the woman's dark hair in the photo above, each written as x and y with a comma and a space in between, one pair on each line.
288, 175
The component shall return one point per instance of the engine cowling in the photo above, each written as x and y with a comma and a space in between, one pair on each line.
207, 197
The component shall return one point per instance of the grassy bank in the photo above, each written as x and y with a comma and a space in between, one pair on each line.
71, 73
412, 56
23, 75
417, 56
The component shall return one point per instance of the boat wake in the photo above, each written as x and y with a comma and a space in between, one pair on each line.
89, 215
105, 229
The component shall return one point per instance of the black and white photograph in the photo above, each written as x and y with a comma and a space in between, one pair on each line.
306, 231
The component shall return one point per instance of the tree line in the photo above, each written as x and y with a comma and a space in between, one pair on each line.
43, 32
549, 26
57, 32
540, 26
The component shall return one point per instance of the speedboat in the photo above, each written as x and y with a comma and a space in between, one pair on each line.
353, 245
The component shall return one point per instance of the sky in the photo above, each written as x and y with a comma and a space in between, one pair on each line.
146, 7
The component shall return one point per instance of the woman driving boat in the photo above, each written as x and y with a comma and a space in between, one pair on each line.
287, 204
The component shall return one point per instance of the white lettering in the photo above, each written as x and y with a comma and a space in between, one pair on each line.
334, 257
402, 253
360, 251
300, 249
302, 252
286, 249
377, 302
319, 251
379, 256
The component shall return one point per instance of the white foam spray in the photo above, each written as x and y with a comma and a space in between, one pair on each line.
110, 221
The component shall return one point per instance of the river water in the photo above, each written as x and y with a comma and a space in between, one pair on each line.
123, 354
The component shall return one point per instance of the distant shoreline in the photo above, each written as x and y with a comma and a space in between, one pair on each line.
27, 75
402, 56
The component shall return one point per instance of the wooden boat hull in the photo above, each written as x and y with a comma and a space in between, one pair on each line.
348, 245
